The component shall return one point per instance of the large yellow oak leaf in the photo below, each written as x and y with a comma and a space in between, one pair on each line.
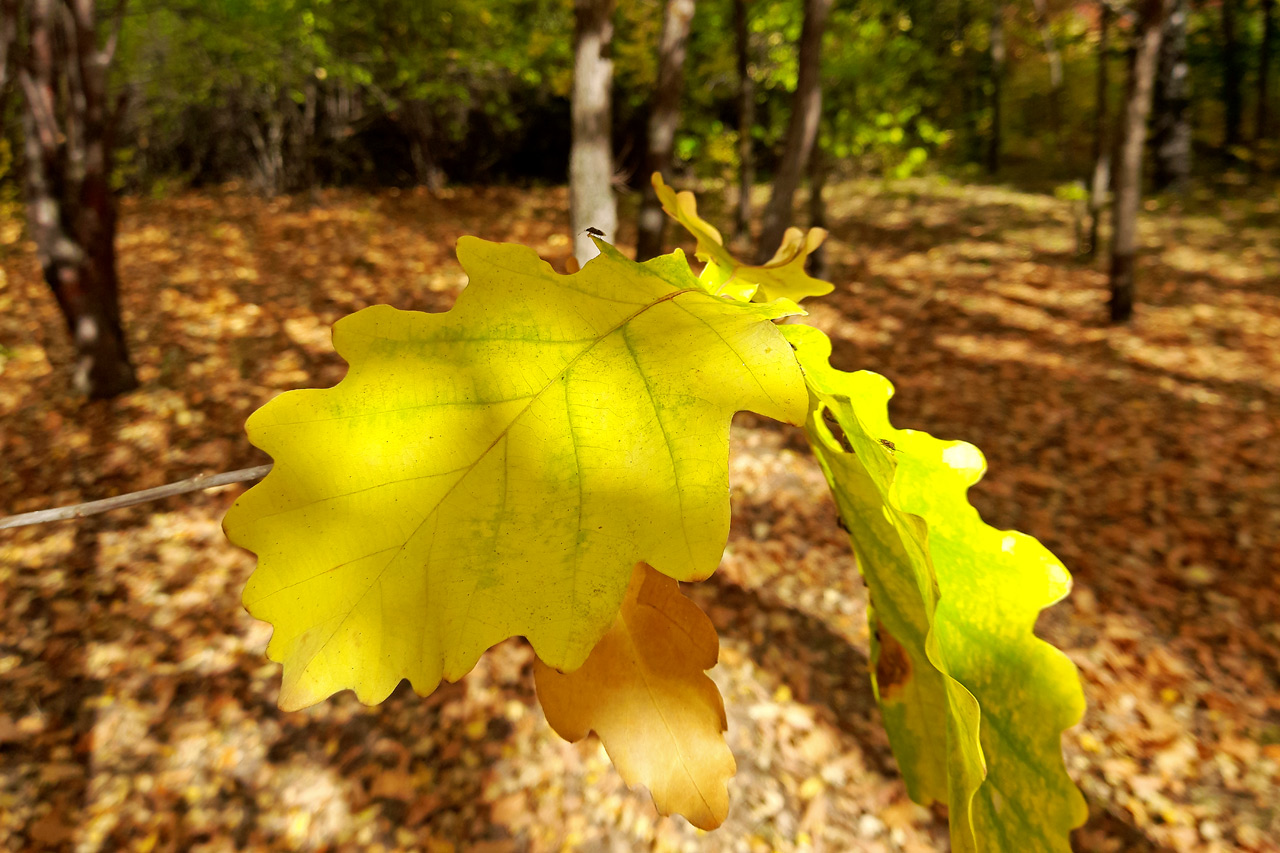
782, 277
644, 691
497, 469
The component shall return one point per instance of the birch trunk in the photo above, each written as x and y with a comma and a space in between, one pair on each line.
1149, 29
591, 201
71, 209
1171, 124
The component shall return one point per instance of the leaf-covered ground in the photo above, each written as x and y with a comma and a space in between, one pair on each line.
137, 710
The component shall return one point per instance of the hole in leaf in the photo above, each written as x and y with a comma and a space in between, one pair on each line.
833, 426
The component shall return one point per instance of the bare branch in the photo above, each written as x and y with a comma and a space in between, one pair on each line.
182, 487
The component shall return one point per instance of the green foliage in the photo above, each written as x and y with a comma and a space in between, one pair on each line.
294, 86
1075, 191
306, 91
507, 467
8, 179
10, 197
885, 77
300, 92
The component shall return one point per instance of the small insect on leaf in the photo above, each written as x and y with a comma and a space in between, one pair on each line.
888, 444
594, 232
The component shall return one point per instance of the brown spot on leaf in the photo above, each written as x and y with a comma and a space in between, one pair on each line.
893, 664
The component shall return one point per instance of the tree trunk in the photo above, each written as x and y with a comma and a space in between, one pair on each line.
265, 130
1232, 72
1101, 123
1148, 30
8, 43
818, 169
70, 207
970, 100
307, 137
1171, 123
997, 59
1054, 58
746, 119
664, 117
1263, 123
591, 201
427, 171
802, 128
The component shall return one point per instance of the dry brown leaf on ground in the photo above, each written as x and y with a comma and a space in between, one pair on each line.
644, 691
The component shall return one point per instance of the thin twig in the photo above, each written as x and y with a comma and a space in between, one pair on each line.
182, 487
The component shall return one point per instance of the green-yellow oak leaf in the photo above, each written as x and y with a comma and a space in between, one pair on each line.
498, 469
974, 703
782, 277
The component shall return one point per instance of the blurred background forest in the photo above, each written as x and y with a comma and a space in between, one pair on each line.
290, 96
1054, 225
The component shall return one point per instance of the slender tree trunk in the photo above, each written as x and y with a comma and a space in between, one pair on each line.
8, 44
970, 100
1054, 58
1171, 123
802, 129
306, 136
1263, 122
427, 171
818, 170
1101, 123
1148, 30
664, 117
746, 119
1232, 72
71, 209
996, 56
265, 129
591, 201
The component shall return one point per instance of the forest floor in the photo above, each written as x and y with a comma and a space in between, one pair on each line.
137, 709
